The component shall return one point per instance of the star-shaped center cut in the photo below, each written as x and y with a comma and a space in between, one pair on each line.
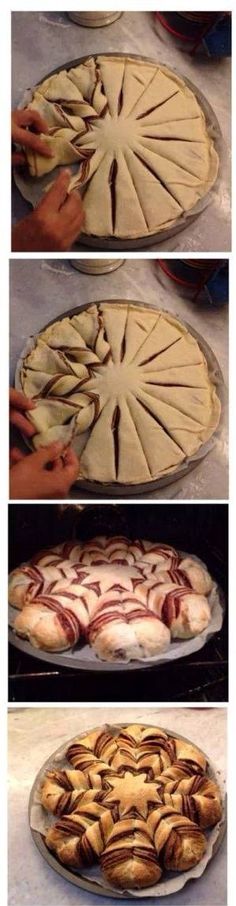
111, 576
133, 793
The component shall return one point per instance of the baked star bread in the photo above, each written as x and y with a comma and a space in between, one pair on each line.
117, 806
126, 599
127, 385
138, 138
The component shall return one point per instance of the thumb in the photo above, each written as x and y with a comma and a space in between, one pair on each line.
56, 195
48, 454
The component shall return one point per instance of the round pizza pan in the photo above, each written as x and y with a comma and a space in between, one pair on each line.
82, 657
174, 881
116, 489
32, 190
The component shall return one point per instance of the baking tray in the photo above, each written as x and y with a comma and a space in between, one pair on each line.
82, 656
173, 881
32, 189
123, 490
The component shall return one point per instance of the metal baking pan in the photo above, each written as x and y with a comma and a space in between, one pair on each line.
173, 881
32, 190
123, 490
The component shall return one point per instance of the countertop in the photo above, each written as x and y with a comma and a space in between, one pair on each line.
33, 735
41, 290
42, 41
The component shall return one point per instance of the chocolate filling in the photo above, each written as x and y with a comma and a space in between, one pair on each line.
112, 184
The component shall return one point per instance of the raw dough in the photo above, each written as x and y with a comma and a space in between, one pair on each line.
127, 385
139, 138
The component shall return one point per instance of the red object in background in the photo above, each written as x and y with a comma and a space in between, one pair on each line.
189, 28
193, 276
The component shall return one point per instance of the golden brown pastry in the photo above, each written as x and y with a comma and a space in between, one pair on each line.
137, 799
196, 797
178, 841
129, 859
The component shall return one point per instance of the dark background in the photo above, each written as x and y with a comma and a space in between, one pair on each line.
201, 529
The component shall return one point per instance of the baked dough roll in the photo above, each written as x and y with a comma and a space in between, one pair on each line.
156, 750
185, 612
28, 581
94, 766
49, 627
150, 552
188, 572
62, 791
67, 550
198, 576
196, 797
179, 842
124, 629
56, 621
129, 859
49, 578
78, 839
20, 580
114, 550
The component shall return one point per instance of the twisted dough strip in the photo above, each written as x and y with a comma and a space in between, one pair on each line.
129, 859
197, 797
56, 622
185, 612
79, 839
179, 842
62, 791
188, 573
136, 747
26, 582
124, 628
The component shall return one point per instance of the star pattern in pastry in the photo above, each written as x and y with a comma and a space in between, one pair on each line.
109, 576
127, 385
136, 799
126, 598
137, 137
132, 793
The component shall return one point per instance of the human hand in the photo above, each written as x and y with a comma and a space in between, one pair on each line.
22, 135
55, 224
19, 403
31, 479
